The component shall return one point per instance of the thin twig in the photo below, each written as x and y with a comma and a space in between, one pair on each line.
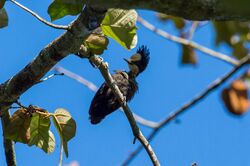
40, 18
215, 84
54, 52
187, 42
50, 76
192, 29
61, 155
94, 88
76, 77
20, 105
103, 67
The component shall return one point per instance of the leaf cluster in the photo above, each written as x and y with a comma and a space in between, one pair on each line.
31, 126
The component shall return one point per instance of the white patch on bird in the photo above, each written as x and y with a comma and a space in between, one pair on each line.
124, 74
135, 57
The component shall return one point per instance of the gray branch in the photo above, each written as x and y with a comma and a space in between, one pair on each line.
214, 85
187, 42
10, 155
58, 49
90, 85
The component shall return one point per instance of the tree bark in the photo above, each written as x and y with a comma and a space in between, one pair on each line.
189, 9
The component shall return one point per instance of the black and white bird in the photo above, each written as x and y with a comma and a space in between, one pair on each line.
104, 101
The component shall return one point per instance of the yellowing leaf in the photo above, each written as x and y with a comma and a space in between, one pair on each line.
65, 125
3, 18
97, 43
40, 134
120, 25
18, 128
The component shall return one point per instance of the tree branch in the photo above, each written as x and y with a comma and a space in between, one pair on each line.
58, 49
103, 67
94, 88
214, 85
40, 18
187, 42
9, 150
191, 9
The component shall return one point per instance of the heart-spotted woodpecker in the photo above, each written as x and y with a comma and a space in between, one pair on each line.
104, 101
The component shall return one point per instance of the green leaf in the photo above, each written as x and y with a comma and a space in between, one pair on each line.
235, 35
97, 43
2, 2
3, 18
40, 135
120, 25
62, 8
66, 127
179, 22
18, 128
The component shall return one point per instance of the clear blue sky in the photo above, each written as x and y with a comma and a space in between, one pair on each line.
206, 134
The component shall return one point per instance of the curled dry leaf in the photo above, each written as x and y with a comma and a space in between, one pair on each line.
235, 97
18, 129
97, 43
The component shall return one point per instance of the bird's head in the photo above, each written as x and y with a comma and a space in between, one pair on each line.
138, 62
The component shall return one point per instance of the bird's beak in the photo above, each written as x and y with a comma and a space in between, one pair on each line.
128, 61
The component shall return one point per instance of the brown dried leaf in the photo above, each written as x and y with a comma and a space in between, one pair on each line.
235, 97
188, 55
18, 128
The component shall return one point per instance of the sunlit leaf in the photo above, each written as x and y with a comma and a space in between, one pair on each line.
235, 98
120, 25
18, 128
3, 18
65, 125
61, 8
40, 135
